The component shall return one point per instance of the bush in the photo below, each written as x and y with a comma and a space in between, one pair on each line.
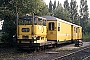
86, 37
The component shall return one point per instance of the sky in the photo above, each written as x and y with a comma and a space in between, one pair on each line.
62, 2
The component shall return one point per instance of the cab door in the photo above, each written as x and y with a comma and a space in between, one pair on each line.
51, 29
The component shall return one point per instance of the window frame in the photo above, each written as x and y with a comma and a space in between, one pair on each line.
51, 25
25, 29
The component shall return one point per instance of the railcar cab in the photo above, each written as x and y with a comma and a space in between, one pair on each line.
31, 30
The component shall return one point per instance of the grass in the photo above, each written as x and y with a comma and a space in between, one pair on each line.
86, 37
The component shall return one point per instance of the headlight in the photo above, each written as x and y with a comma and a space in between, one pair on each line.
13, 36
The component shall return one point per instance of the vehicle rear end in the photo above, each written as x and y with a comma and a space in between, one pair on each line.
77, 35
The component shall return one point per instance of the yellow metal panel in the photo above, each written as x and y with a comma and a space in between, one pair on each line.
65, 32
20, 33
74, 33
20, 36
52, 34
40, 30
24, 26
80, 33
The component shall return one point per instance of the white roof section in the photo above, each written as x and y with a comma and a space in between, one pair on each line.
68, 23
54, 18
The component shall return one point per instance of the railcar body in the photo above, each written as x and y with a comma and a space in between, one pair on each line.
77, 32
31, 35
45, 30
62, 31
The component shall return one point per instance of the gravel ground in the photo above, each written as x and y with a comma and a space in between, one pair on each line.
78, 56
11, 54
43, 55
87, 58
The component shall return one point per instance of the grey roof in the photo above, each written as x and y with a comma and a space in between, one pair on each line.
54, 18
49, 17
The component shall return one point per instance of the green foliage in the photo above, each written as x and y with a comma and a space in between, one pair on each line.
11, 7
86, 36
29, 6
84, 14
61, 13
50, 6
8, 27
73, 12
88, 27
58, 3
43, 10
66, 5
54, 5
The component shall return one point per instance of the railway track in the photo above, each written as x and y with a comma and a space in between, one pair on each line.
87, 58
52, 54
6, 50
82, 54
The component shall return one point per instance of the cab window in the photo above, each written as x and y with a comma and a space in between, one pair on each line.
40, 21
44, 22
51, 25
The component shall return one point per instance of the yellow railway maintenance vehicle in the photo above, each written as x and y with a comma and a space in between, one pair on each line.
35, 31
62, 31
31, 32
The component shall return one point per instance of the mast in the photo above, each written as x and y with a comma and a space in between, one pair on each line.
33, 23
32, 27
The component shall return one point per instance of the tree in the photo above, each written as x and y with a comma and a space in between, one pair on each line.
66, 5
11, 7
58, 4
9, 17
62, 13
54, 5
73, 12
50, 6
84, 14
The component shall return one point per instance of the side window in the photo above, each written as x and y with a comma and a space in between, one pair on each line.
51, 26
44, 22
58, 26
75, 29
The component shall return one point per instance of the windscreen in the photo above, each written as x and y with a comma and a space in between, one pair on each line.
27, 20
